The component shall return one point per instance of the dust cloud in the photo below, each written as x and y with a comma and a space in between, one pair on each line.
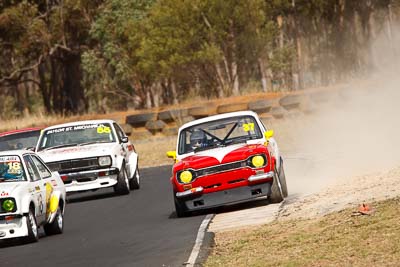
356, 132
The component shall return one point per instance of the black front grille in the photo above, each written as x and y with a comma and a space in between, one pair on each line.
220, 168
66, 166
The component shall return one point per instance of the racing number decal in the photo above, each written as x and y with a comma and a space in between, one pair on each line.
14, 167
248, 126
103, 129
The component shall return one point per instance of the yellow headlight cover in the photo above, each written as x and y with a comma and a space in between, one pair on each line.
258, 161
186, 177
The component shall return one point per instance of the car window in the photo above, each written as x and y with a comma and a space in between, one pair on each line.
31, 168
19, 140
43, 171
80, 134
119, 131
218, 133
11, 169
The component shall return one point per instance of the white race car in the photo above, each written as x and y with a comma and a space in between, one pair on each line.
90, 155
30, 196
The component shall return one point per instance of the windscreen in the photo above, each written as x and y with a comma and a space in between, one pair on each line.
11, 169
20, 140
83, 134
218, 133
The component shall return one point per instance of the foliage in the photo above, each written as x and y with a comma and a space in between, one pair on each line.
102, 55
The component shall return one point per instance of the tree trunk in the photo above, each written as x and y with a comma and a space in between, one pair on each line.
174, 94
44, 89
221, 81
74, 97
263, 75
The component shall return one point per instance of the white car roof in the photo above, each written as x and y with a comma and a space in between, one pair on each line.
218, 117
15, 152
78, 123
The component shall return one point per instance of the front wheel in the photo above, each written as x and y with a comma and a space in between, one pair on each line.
57, 226
122, 186
282, 179
134, 183
33, 234
276, 190
179, 208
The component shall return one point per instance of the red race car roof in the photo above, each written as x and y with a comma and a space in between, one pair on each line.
24, 130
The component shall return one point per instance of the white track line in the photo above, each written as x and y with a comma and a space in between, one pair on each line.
199, 241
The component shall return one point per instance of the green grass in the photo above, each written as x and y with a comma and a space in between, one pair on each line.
338, 239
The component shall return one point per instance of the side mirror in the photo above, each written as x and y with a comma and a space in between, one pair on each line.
268, 134
124, 139
171, 154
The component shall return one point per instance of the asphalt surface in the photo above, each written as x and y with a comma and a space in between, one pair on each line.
102, 229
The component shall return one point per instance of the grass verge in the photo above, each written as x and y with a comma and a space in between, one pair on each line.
338, 239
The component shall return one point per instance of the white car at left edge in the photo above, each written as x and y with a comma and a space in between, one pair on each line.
31, 196
90, 155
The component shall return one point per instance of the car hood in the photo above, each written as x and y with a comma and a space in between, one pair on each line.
221, 155
76, 152
11, 189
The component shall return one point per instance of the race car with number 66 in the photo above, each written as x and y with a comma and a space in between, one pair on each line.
30, 196
91, 155
223, 160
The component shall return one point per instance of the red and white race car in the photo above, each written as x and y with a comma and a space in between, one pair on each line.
226, 159
19, 139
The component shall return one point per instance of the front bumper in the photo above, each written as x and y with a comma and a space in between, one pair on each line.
196, 199
16, 227
90, 180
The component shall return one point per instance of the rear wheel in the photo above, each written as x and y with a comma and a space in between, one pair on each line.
57, 226
33, 233
134, 183
122, 186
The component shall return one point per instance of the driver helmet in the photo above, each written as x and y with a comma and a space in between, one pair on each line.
198, 139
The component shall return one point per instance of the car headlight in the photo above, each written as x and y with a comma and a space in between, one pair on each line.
8, 205
105, 161
186, 177
257, 161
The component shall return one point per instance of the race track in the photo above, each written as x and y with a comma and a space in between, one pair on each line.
102, 229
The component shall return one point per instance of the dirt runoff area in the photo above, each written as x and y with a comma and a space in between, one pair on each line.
346, 153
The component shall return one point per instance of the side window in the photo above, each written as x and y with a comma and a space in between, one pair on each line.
43, 171
120, 132
31, 168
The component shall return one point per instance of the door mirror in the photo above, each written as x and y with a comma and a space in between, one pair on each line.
171, 154
269, 134
124, 139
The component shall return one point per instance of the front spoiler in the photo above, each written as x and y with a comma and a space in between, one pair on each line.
89, 180
236, 195
17, 228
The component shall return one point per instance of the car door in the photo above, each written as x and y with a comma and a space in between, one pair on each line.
39, 189
46, 177
126, 146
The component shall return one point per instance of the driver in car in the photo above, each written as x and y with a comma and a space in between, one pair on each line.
198, 139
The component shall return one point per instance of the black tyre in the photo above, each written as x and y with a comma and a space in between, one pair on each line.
134, 183
276, 190
57, 226
33, 229
261, 106
141, 119
122, 186
180, 208
282, 178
